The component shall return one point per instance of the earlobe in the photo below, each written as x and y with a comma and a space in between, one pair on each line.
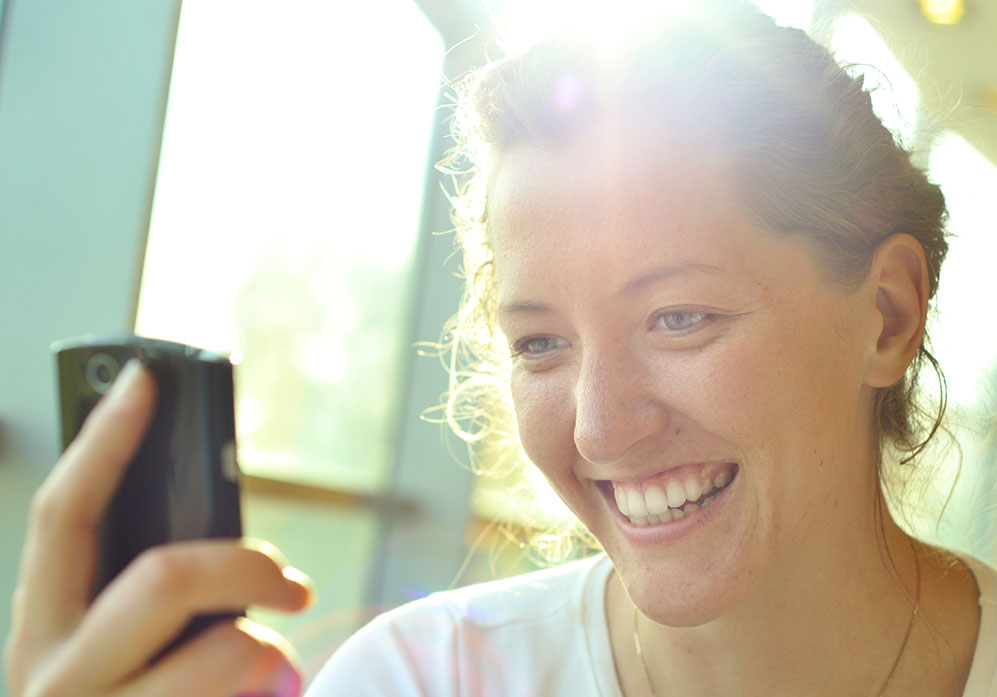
900, 276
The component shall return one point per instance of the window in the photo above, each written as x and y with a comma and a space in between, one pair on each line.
285, 219
965, 343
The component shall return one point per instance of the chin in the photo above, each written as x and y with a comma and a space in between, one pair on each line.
693, 574
679, 596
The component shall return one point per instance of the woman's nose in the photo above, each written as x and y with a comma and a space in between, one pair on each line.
615, 405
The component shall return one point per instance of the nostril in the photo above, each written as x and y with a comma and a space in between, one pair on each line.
606, 437
616, 405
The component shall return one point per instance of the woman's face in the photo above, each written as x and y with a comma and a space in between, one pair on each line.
671, 356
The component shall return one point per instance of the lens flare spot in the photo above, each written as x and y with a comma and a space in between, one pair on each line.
567, 92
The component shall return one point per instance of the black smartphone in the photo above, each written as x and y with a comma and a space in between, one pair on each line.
183, 484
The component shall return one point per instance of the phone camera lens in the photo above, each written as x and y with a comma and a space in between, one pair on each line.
100, 372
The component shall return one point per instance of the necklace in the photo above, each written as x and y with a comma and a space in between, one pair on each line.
889, 676
910, 625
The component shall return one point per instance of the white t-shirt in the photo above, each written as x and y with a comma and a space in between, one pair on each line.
542, 634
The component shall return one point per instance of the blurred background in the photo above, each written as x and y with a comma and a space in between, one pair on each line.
257, 178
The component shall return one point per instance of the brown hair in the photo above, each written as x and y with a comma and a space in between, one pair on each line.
795, 131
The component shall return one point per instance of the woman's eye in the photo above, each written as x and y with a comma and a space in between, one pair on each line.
536, 345
681, 320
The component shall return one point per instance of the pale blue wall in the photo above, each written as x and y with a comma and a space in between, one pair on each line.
83, 85
82, 91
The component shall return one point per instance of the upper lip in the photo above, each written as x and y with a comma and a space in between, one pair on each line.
629, 477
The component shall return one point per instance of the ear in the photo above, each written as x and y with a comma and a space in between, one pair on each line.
899, 279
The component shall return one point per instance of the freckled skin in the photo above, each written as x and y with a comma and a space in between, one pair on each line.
773, 383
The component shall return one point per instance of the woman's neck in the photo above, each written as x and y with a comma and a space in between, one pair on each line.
832, 623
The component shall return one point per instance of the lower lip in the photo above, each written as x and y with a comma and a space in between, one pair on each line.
676, 529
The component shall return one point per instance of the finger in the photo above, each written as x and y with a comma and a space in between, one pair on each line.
148, 604
60, 547
238, 657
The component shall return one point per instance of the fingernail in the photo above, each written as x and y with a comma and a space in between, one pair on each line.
268, 548
274, 673
287, 681
125, 386
301, 582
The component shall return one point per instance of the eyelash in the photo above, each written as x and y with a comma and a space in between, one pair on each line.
701, 317
521, 347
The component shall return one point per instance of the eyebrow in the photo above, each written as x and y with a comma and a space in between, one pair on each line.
532, 307
663, 273
631, 289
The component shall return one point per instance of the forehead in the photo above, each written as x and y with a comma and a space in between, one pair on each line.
610, 199
607, 168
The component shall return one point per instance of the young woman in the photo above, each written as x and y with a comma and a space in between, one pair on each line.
711, 265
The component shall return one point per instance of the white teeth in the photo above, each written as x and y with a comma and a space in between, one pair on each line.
635, 504
675, 493
621, 501
657, 502
693, 490
657, 505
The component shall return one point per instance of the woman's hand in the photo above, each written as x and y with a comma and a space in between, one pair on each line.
63, 644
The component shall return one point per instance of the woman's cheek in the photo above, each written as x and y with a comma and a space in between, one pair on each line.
545, 416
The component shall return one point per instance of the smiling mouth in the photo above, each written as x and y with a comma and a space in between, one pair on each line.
666, 499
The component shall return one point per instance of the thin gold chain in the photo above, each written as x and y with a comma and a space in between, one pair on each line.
640, 656
889, 677
910, 625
